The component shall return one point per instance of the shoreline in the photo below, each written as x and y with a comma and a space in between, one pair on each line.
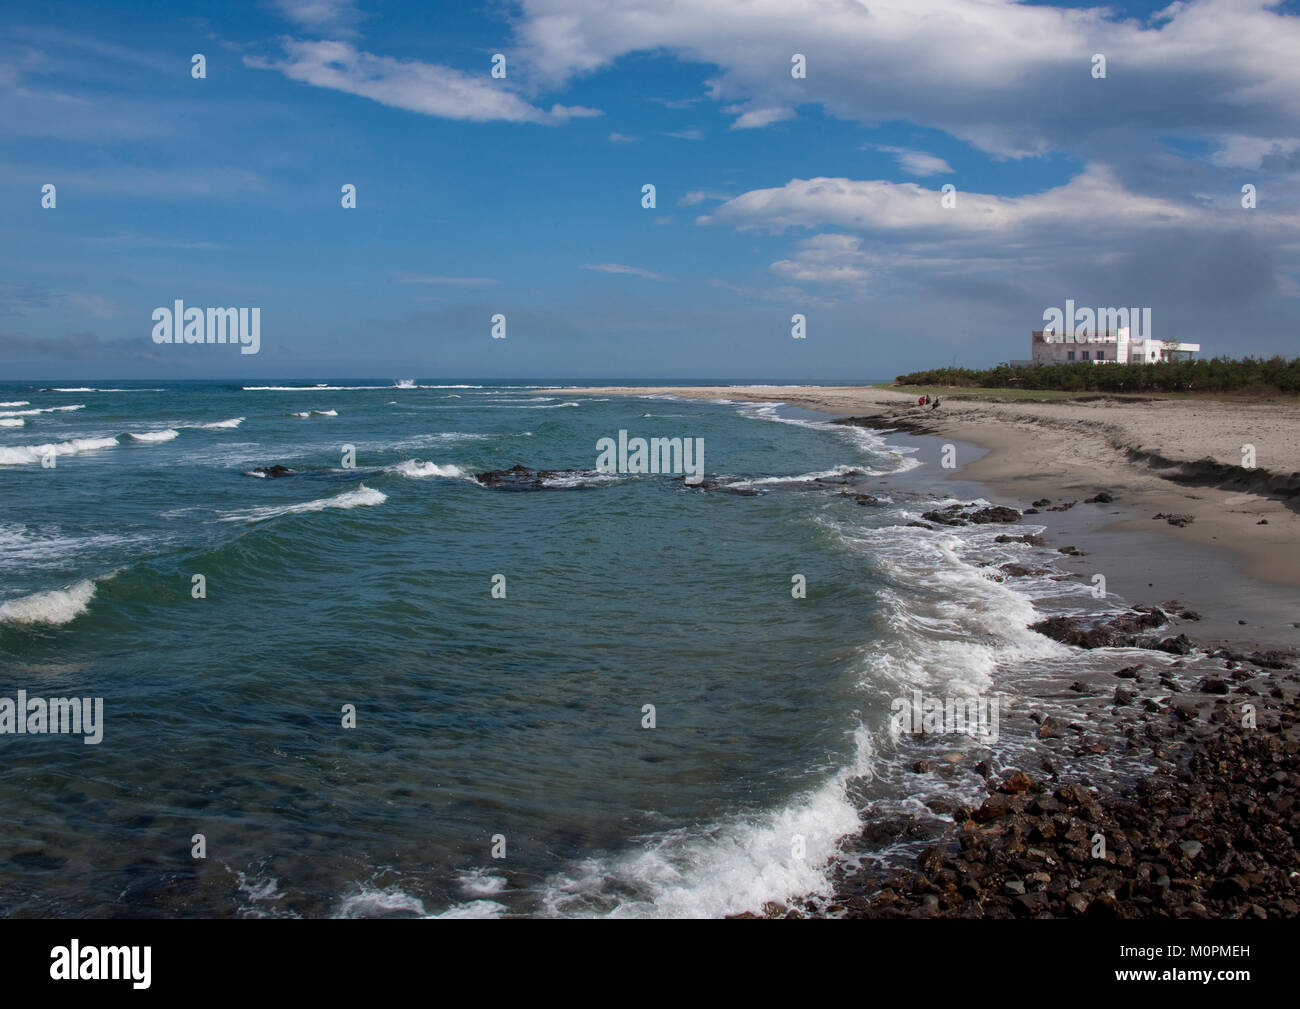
1172, 456
1202, 822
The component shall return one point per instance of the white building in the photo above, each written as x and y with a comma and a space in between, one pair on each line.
1111, 345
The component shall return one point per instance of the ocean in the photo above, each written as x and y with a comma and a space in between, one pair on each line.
394, 691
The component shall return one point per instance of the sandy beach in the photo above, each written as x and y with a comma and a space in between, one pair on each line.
1174, 456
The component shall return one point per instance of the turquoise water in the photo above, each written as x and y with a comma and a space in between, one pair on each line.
511, 722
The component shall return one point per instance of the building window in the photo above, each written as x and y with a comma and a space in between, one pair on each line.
1069, 355
1085, 355
1101, 355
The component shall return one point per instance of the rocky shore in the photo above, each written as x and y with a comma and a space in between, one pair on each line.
1212, 832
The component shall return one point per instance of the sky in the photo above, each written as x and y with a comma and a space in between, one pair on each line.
775, 195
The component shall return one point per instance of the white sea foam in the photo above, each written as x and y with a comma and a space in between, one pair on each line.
12, 422
473, 909
218, 424
25, 455
153, 436
725, 868
362, 497
16, 402
325, 413
56, 607
481, 883
824, 474
419, 470
372, 903
41, 409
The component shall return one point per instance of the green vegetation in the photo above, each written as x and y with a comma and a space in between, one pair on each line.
1219, 374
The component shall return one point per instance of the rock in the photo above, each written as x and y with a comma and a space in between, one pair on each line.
1262, 522
1016, 783
1100, 498
997, 513
521, 478
1212, 685
1032, 539
1050, 729
1180, 645
1042, 502
273, 472
1175, 520
943, 518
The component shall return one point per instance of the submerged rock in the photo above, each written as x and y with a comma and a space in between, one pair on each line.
521, 478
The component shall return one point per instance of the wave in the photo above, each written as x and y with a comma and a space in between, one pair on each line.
55, 607
17, 402
825, 474
404, 383
41, 409
386, 903
218, 424
86, 388
419, 470
723, 868
152, 436
26, 455
362, 497
12, 422
314, 413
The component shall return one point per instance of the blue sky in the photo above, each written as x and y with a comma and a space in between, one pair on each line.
522, 196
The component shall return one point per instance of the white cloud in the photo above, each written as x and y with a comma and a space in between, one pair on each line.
1008, 77
916, 162
1094, 199
824, 259
758, 118
621, 138
700, 195
426, 88
334, 16
632, 271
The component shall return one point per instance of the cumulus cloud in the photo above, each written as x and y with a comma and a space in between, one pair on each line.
1094, 199
427, 88
1012, 79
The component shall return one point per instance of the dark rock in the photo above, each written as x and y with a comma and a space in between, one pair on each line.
1100, 498
997, 513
